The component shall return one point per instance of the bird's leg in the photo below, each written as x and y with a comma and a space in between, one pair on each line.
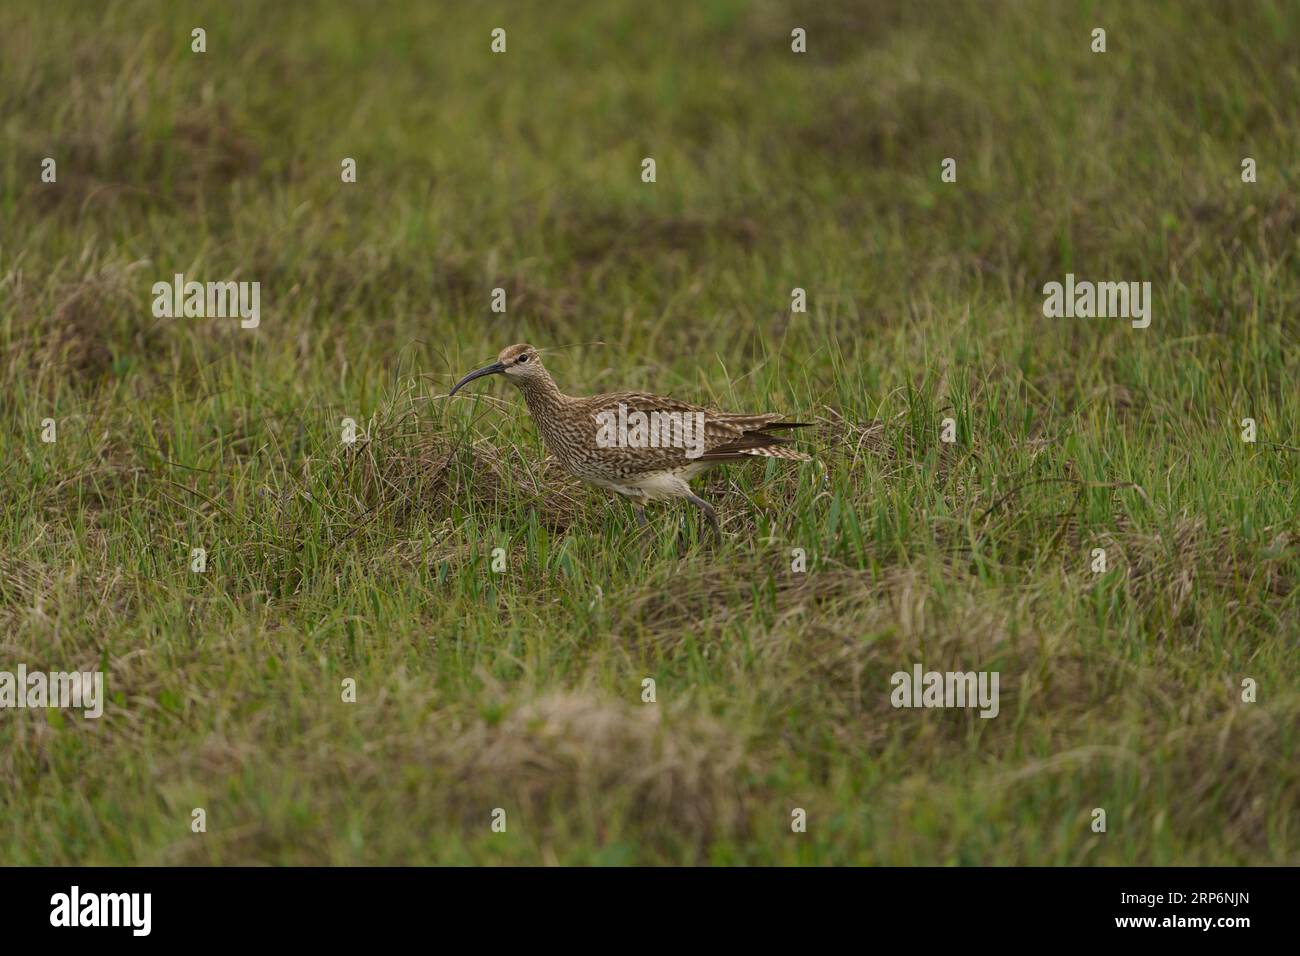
641, 524
708, 513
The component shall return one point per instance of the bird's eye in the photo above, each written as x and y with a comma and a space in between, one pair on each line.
522, 359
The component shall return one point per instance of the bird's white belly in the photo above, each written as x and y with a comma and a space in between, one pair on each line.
657, 486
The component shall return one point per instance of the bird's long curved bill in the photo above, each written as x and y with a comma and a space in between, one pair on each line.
494, 369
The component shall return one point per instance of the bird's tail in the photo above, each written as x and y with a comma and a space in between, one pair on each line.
760, 442
775, 451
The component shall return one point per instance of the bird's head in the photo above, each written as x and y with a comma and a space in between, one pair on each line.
521, 364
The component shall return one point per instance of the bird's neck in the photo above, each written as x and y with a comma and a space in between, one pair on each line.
542, 395
547, 406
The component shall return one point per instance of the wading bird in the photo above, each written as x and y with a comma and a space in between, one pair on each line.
643, 447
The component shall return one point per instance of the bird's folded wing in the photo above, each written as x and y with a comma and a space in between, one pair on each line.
726, 435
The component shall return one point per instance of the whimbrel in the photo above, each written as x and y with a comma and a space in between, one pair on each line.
643, 447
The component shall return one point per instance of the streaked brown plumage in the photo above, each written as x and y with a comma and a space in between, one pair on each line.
571, 430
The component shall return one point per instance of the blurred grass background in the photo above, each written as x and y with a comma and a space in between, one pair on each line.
774, 171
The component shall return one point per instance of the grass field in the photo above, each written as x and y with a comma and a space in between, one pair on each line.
522, 690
